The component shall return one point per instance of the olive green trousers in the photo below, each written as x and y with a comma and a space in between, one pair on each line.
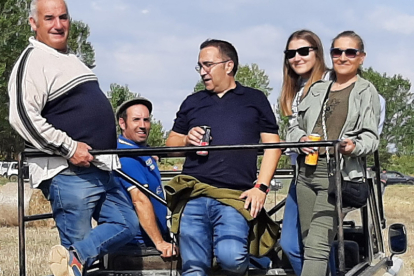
317, 215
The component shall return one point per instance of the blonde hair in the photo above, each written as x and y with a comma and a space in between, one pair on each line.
290, 77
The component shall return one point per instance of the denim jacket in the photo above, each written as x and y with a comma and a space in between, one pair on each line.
361, 124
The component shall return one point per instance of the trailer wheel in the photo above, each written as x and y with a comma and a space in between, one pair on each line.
13, 178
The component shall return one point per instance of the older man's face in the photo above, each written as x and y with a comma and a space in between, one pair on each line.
53, 24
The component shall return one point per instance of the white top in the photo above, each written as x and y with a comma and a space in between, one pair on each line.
296, 101
43, 75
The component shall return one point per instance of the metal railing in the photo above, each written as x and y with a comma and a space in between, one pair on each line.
164, 151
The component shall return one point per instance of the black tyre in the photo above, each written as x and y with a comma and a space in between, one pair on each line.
13, 178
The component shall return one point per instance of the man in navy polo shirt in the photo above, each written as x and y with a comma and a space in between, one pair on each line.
236, 115
135, 122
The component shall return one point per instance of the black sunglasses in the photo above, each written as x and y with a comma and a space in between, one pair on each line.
349, 53
303, 51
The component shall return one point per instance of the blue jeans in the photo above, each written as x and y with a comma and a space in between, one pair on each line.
291, 238
209, 227
79, 194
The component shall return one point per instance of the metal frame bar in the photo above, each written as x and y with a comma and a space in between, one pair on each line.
375, 213
163, 151
338, 181
379, 189
142, 187
21, 217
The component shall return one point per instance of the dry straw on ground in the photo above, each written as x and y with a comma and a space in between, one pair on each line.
8, 203
38, 204
399, 207
34, 202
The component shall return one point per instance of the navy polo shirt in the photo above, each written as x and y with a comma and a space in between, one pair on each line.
237, 118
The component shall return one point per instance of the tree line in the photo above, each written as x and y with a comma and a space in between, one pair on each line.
397, 139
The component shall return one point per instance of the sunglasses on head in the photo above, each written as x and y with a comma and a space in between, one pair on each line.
303, 51
349, 53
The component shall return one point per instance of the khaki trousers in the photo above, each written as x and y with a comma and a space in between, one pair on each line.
317, 216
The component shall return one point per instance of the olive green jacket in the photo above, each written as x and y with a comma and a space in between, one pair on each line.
264, 232
361, 124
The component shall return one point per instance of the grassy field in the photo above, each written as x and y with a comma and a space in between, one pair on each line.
399, 207
3, 180
398, 203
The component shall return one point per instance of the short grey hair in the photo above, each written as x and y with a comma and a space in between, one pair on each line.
33, 9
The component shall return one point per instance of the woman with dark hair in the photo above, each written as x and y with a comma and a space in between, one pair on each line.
303, 64
346, 108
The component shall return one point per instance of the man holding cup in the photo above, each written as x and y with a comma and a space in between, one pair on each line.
235, 115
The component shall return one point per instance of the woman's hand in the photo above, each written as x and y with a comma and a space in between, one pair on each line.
346, 146
307, 150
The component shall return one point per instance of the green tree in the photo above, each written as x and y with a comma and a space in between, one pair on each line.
254, 77
78, 44
157, 135
119, 94
14, 35
283, 123
398, 133
248, 75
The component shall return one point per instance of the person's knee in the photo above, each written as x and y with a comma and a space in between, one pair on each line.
317, 251
233, 261
290, 247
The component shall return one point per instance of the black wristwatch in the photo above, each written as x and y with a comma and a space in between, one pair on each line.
262, 187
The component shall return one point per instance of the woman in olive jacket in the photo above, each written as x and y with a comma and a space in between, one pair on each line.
347, 108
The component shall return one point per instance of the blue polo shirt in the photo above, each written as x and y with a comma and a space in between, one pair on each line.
144, 169
236, 118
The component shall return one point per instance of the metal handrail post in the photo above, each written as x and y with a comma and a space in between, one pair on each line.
338, 183
379, 189
20, 204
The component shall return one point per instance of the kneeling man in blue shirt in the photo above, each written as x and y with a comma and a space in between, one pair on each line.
135, 122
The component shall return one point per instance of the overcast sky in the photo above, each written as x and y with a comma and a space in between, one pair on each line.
152, 46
